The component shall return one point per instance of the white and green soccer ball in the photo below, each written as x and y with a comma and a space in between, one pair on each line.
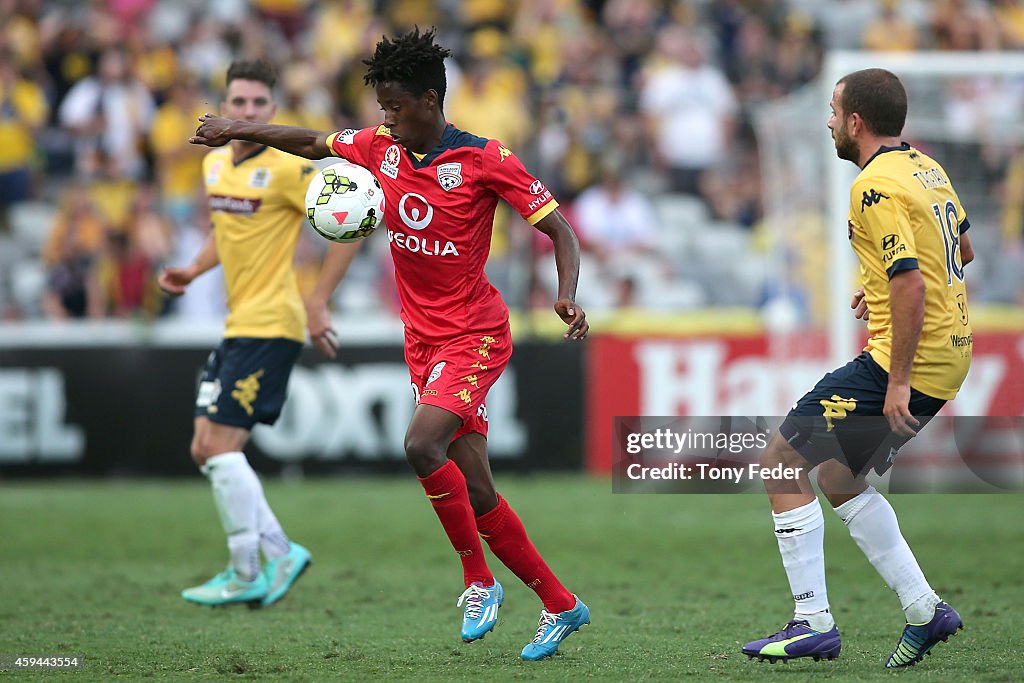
344, 202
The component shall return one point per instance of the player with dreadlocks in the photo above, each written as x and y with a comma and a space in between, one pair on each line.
442, 186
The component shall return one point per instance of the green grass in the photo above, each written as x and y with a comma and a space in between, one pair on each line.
675, 584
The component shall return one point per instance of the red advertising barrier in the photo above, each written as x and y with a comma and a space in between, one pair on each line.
753, 375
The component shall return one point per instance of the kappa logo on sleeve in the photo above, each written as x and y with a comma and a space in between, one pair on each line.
870, 198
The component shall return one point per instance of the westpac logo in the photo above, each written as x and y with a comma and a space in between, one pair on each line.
870, 198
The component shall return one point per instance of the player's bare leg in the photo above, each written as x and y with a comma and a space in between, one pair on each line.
800, 532
426, 445
873, 525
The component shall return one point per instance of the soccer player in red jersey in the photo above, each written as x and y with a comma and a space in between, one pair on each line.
441, 186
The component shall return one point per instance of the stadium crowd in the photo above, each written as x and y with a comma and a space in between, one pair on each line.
638, 114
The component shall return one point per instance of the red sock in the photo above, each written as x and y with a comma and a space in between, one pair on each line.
446, 489
507, 539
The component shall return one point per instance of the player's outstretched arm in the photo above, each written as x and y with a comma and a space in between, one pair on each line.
567, 261
336, 262
215, 131
174, 281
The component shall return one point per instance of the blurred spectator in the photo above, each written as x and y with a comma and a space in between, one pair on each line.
964, 25
155, 63
842, 21
109, 115
889, 31
337, 32
126, 270
539, 29
75, 243
305, 102
23, 111
614, 220
73, 291
79, 227
129, 14
126, 279
289, 16
1009, 18
733, 193
490, 100
1012, 199
631, 25
691, 110
617, 230
152, 234
178, 164
205, 52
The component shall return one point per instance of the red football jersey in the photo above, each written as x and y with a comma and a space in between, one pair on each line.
439, 212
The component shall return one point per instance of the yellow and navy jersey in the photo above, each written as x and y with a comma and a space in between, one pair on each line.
257, 206
905, 214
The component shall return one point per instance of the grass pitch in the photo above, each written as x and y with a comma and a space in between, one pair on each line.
675, 584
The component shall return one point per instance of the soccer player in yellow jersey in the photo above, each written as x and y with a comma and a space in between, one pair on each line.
256, 199
908, 229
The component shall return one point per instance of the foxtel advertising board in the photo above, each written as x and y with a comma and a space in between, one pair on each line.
128, 410
753, 375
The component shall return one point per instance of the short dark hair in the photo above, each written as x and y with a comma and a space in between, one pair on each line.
253, 70
880, 99
413, 61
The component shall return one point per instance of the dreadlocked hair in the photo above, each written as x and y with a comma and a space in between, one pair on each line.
412, 61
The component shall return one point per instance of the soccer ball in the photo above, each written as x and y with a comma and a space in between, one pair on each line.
344, 202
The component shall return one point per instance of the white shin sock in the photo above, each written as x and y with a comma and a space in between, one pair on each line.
237, 493
873, 525
801, 536
273, 540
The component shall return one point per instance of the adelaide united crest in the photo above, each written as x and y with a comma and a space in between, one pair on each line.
449, 176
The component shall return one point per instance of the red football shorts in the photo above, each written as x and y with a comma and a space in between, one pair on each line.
457, 375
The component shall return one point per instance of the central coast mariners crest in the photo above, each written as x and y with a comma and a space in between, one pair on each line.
260, 178
449, 175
